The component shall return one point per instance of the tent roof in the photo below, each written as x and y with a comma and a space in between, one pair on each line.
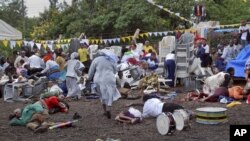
7, 32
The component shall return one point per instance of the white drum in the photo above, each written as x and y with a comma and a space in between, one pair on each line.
165, 123
182, 119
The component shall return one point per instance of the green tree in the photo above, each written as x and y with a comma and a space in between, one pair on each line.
11, 11
227, 11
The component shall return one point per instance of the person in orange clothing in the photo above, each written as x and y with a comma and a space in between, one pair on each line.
48, 55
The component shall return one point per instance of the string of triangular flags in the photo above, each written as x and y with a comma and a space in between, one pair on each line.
169, 11
64, 42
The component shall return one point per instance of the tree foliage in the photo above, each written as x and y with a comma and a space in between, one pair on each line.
113, 18
11, 11
227, 11
105, 18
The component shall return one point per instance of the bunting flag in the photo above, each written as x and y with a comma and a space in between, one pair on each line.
12, 44
155, 33
26, 43
19, 43
123, 39
150, 34
167, 10
165, 33
84, 41
97, 41
45, 45
5, 43
58, 46
50, 46
38, 45
105, 41
31, 43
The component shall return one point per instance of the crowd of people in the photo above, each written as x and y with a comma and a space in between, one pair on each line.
106, 72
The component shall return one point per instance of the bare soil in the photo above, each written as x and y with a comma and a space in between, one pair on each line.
94, 125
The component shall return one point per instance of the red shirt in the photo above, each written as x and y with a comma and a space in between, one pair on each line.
51, 102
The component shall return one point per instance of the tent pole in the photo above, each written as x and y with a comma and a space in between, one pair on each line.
23, 12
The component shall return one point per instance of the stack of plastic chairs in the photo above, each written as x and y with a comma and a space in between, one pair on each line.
92, 51
182, 63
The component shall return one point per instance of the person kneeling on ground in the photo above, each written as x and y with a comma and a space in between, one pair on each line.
154, 107
34, 115
221, 79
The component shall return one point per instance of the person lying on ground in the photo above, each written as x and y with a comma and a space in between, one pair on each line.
20, 117
154, 107
235, 92
238, 93
131, 116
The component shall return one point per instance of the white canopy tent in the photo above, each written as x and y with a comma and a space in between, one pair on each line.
7, 32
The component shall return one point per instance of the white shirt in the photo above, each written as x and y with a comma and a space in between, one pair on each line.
228, 53
55, 88
18, 59
206, 47
170, 56
71, 65
136, 53
244, 34
49, 65
35, 62
152, 108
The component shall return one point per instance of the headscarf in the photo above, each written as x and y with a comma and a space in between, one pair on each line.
109, 55
73, 55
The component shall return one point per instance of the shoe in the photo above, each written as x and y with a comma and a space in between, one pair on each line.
77, 116
41, 129
108, 115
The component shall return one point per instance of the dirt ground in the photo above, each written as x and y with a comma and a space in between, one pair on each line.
94, 126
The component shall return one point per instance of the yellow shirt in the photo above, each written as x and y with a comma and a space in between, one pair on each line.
83, 53
61, 62
147, 48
